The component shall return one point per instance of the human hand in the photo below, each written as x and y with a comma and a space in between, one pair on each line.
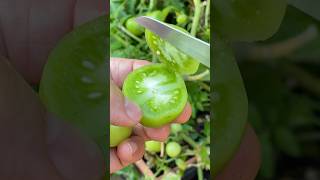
246, 162
125, 113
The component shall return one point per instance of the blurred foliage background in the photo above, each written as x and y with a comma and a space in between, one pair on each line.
282, 79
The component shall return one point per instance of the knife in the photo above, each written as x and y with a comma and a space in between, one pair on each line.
186, 43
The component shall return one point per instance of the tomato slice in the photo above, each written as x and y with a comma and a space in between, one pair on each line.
170, 55
74, 81
159, 91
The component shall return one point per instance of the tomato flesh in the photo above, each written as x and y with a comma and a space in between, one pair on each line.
160, 92
170, 55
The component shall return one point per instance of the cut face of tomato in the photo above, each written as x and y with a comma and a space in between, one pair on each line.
159, 91
170, 55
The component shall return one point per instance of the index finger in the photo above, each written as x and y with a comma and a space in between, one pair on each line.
121, 67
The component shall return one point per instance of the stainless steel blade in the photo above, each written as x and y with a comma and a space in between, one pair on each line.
186, 43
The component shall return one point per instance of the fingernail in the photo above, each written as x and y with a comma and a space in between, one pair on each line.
133, 147
133, 111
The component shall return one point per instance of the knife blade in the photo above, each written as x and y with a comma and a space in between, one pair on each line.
186, 43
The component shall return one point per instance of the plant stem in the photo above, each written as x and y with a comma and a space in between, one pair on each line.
196, 18
123, 42
207, 14
200, 173
129, 34
151, 5
143, 167
189, 141
198, 76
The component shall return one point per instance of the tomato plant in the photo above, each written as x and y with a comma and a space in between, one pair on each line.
175, 128
173, 149
134, 27
153, 146
248, 20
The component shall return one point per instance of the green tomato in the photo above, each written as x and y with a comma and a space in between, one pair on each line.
153, 146
134, 27
160, 93
229, 105
156, 15
173, 149
74, 80
181, 164
118, 134
248, 20
175, 128
170, 55
182, 19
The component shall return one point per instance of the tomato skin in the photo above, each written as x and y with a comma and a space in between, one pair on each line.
134, 27
175, 128
173, 149
156, 15
160, 93
153, 146
182, 19
118, 134
170, 55
248, 20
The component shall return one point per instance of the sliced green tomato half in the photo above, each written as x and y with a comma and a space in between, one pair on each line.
170, 55
118, 134
159, 92
229, 103
74, 81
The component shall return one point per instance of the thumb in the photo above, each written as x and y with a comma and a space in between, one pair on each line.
123, 111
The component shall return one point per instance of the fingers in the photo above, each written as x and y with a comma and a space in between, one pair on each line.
120, 68
122, 111
72, 153
129, 151
249, 152
185, 115
157, 134
162, 133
